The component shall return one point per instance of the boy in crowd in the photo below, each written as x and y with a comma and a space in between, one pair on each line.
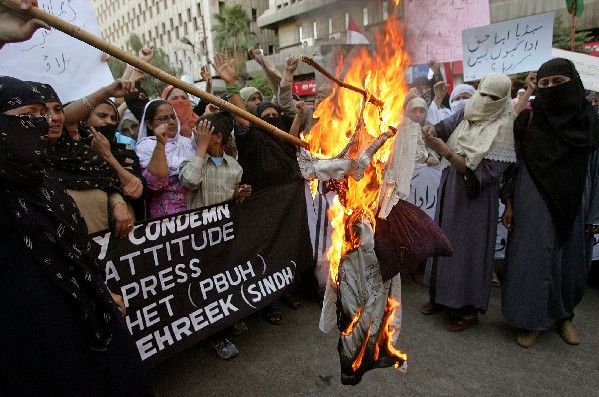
211, 177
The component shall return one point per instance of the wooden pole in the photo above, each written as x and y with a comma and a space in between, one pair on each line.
573, 28
102, 45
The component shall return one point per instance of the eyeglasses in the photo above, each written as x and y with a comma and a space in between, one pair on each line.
165, 119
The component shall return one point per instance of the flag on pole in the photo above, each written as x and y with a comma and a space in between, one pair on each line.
355, 35
579, 6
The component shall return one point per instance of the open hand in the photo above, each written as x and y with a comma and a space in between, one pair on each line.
205, 73
225, 67
204, 130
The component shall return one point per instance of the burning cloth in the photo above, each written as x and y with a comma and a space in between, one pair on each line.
367, 311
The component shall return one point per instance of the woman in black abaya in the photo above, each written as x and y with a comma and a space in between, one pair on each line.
61, 333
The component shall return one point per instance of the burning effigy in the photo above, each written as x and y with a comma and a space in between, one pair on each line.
356, 143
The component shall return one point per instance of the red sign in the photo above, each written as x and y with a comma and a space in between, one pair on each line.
307, 87
593, 46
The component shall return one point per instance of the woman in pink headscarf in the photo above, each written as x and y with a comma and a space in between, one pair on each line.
183, 107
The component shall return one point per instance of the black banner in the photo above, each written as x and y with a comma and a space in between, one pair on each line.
187, 276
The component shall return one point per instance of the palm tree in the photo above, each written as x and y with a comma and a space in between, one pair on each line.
233, 35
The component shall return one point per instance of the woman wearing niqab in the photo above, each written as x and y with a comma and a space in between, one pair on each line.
62, 333
479, 148
552, 206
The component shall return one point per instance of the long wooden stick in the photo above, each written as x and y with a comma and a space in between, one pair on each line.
102, 45
372, 99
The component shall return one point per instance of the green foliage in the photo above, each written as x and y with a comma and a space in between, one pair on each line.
261, 83
152, 85
232, 34
561, 36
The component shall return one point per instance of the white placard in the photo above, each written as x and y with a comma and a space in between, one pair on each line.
71, 67
508, 47
587, 66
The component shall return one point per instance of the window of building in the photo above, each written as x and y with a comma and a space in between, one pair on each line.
177, 36
221, 5
185, 29
330, 25
346, 20
271, 49
163, 27
180, 19
301, 33
170, 22
188, 14
254, 15
314, 30
365, 16
195, 23
385, 10
168, 37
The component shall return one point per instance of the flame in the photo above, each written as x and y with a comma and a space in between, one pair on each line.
354, 321
386, 333
313, 187
358, 361
382, 74
343, 114
336, 214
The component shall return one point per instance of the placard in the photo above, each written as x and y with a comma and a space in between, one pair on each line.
509, 47
587, 66
72, 67
434, 27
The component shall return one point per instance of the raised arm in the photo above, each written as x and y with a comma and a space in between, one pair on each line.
225, 67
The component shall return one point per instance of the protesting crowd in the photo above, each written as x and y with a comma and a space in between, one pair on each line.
116, 157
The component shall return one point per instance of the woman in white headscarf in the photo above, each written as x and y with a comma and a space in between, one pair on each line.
479, 148
457, 100
161, 150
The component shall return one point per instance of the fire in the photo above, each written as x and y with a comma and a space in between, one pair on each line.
381, 73
358, 361
387, 332
352, 325
313, 187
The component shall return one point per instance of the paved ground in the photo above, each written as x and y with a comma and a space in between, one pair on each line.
296, 359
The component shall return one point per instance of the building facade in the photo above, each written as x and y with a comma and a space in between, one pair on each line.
301, 26
181, 28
